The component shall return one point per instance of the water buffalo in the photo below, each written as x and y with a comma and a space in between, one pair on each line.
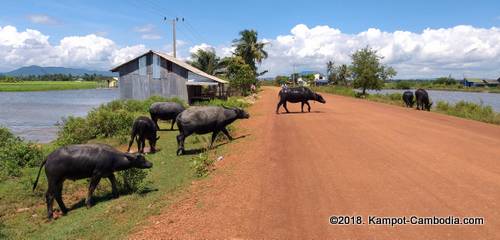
298, 94
143, 128
408, 99
94, 161
165, 111
202, 120
422, 100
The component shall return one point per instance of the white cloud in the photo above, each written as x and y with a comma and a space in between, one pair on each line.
41, 19
433, 52
150, 36
144, 29
31, 47
203, 46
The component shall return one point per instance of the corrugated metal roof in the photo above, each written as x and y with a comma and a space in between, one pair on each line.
176, 61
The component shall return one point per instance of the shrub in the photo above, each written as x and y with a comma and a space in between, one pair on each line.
74, 130
107, 123
230, 102
403, 85
132, 180
16, 154
202, 164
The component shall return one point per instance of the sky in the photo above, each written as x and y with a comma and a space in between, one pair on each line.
420, 39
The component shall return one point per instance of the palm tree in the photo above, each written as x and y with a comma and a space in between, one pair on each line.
249, 48
207, 61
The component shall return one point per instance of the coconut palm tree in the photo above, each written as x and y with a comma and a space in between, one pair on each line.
207, 61
249, 48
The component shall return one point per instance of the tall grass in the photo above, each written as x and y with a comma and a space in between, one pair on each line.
469, 110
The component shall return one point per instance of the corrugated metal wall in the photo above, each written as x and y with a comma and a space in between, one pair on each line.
135, 86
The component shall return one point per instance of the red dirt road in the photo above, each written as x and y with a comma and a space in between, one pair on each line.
347, 157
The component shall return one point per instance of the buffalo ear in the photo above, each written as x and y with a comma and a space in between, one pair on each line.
157, 138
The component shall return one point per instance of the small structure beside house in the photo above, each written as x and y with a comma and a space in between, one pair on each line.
473, 82
113, 83
156, 73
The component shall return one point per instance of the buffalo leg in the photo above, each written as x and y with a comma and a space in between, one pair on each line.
302, 107
92, 186
152, 149
172, 126
58, 196
49, 198
278, 107
308, 107
180, 144
284, 105
114, 189
224, 130
131, 142
140, 142
214, 135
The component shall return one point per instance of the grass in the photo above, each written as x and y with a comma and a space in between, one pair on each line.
469, 110
23, 212
462, 109
28, 86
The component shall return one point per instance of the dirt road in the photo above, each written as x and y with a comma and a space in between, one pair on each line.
347, 157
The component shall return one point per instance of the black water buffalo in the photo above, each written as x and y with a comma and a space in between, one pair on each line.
298, 94
94, 161
165, 111
408, 99
422, 100
202, 120
143, 128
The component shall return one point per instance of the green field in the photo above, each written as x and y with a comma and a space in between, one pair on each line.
23, 212
27, 86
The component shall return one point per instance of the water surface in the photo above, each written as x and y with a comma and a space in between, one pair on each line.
34, 115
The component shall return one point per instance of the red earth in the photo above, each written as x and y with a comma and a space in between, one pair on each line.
347, 157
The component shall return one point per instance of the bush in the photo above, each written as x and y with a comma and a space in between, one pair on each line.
16, 154
403, 85
113, 119
132, 180
202, 164
230, 102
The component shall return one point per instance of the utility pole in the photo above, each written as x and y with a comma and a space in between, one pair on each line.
174, 42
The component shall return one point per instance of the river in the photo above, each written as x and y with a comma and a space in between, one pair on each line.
491, 99
34, 115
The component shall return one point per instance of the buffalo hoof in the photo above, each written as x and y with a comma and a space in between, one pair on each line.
180, 151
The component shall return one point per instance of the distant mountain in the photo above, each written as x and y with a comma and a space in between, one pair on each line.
37, 70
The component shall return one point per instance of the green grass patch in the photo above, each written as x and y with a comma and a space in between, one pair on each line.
23, 212
27, 86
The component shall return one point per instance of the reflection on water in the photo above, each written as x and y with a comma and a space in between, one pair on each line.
34, 115
491, 99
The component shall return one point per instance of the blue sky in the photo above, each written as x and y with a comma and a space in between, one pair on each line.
216, 23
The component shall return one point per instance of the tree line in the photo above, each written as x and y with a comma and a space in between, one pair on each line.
240, 69
365, 72
55, 77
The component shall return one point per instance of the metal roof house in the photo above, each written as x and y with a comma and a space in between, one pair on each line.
156, 73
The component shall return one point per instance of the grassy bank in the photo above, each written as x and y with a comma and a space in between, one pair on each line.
441, 87
461, 109
23, 212
27, 86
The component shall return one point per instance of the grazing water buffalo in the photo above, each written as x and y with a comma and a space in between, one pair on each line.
165, 111
422, 100
202, 120
94, 161
143, 128
298, 94
408, 99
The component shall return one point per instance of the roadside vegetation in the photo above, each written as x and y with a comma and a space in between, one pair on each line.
441, 83
143, 192
469, 110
